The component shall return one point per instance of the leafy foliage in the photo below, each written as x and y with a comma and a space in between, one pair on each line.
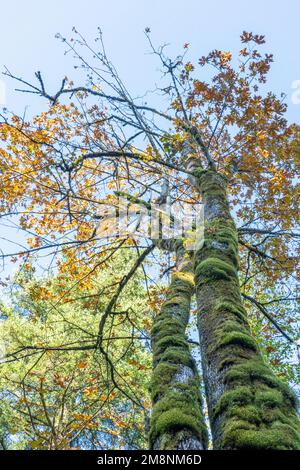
56, 390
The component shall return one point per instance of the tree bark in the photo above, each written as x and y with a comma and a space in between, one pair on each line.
176, 421
249, 408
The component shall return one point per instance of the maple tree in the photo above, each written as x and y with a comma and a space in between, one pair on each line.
225, 142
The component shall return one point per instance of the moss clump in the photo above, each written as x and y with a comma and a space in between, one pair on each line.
212, 269
183, 396
167, 388
256, 370
177, 300
183, 279
231, 326
167, 341
198, 172
236, 425
177, 356
279, 438
227, 306
162, 376
211, 182
240, 396
249, 413
228, 233
221, 241
278, 414
166, 327
246, 372
237, 337
269, 398
257, 397
221, 249
274, 382
229, 360
175, 420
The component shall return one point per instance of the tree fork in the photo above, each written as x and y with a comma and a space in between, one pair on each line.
249, 407
177, 421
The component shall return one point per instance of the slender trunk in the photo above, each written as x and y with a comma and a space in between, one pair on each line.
176, 421
249, 408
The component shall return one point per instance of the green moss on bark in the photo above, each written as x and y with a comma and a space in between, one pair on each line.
239, 338
176, 421
281, 437
224, 306
177, 356
249, 408
168, 341
212, 269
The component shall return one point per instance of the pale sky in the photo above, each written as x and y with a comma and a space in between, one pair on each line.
28, 44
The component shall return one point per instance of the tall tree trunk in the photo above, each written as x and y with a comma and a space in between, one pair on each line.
249, 408
176, 421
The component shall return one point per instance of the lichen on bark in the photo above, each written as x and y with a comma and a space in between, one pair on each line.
249, 407
177, 421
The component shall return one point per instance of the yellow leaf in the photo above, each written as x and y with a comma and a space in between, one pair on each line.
81, 365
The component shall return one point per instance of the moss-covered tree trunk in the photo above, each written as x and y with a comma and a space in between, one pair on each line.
249, 408
176, 421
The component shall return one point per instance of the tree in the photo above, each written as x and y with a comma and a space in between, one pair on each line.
224, 142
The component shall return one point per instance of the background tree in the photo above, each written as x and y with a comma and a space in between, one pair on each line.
56, 392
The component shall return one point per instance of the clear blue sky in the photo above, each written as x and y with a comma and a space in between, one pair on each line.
28, 29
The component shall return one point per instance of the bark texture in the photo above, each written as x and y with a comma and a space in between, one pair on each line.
176, 421
249, 408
